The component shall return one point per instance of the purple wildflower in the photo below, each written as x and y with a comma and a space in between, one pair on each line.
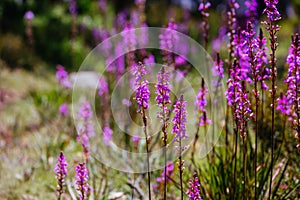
103, 86
136, 139
251, 11
261, 59
233, 84
61, 172
107, 135
243, 111
170, 173
293, 83
163, 94
271, 10
64, 109
179, 119
203, 8
194, 189
82, 180
73, 7
102, 5
29, 15
141, 87
129, 36
201, 103
283, 105
62, 76
87, 129
167, 39
232, 25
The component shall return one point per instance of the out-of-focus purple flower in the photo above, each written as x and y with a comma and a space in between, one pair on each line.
170, 173
163, 94
62, 76
87, 129
29, 15
150, 60
82, 180
61, 172
96, 35
201, 103
136, 139
129, 36
283, 105
218, 69
143, 36
102, 5
217, 42
194, 189
103, 86
167, 39
179, 60
126, 102
73, 7
179, 120
251, 11
271, 10
107, 135
64, 109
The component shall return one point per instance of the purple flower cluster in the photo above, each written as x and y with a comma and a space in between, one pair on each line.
107, 135
194, 189
251, 11
163, 93
62, 76
82, 180
73, 7
201, 103
290, 102
271, 10
61, 172
141, 87
179, 119
87, 129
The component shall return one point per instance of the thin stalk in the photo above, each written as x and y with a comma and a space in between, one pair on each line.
273, 94
165, 155
147, 149
180, 168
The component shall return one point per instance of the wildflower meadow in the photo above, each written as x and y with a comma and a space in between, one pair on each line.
147, 99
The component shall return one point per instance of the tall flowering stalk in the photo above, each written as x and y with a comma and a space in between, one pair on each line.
61, 172
82, 180
203, 120
163, 99
272, 28
203, 8
250, 44
232, 26
194, 189
87, 129
289, 104
179, 129
142, 98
